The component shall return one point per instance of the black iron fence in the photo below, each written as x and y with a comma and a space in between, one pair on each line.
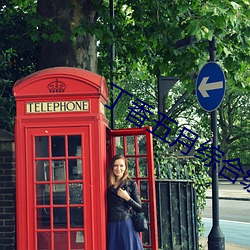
177, 220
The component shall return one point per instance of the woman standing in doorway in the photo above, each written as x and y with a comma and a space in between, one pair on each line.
122, 195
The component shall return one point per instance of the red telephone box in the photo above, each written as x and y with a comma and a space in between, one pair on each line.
61, 161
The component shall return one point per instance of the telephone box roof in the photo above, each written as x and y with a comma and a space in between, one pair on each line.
87, 81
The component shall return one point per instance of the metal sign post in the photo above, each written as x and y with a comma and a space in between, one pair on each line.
210, 89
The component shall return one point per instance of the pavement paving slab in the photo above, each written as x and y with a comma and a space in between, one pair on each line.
228, 246
227, 190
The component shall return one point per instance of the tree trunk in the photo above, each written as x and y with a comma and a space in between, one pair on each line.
75, 49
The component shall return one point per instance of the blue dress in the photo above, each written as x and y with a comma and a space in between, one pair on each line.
121, 232
122, 236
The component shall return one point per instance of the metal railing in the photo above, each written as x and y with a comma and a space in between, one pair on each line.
176, 211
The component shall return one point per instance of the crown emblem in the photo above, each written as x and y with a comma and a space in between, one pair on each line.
56, 86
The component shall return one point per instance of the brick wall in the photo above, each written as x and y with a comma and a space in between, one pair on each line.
7, 191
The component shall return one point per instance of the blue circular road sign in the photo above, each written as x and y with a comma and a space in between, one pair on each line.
210, 86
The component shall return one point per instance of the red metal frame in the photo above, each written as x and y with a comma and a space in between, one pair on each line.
32, 184
124, 133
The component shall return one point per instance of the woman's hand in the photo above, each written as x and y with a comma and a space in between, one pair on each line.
123, 194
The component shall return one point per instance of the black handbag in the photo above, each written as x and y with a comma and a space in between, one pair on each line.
140, 222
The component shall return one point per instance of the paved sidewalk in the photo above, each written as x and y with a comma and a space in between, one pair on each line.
230, 191
228, 246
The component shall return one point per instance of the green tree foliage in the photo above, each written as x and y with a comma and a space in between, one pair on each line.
148, 31
145, 36
234, 119
17, 53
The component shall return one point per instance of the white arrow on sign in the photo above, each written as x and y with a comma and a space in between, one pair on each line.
204, 86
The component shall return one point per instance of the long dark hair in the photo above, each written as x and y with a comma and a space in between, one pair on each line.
111, 175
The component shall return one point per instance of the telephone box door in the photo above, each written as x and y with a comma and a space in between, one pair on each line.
137, 146
59, 188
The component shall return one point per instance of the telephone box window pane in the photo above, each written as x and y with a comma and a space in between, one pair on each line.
44, 241
77, 240
41, 146
131, 167
43, 218
142, 144
76, 217
146, 237
74, 145
75, 193
59, 194
42, 170
143, 164
58, 146
119, 145
146, 210
75, 169
130, 145
61, 240
41, 194
58, 171
46, 195
60, 217
144, 190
